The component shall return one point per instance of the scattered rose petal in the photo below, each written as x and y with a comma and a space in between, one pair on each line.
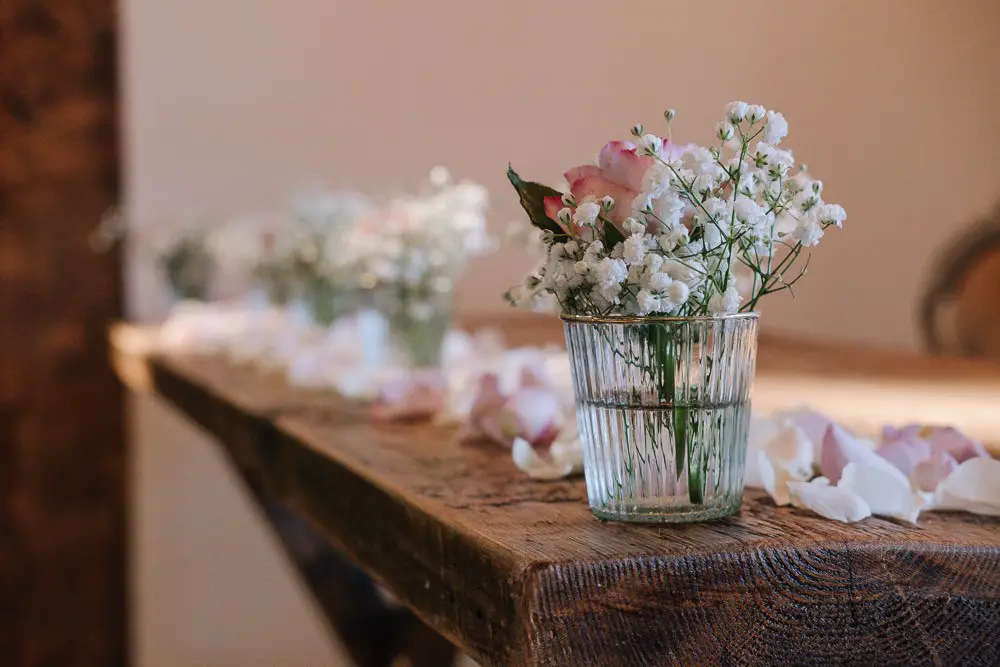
785, 457
813, 424
419, 395
484, 416
841, 447
792, 448
531, 413
938, 439
886, 494
828, 501
930, 472
761, 431
530, 461
974, 486
904, 453
568, 452
774, 478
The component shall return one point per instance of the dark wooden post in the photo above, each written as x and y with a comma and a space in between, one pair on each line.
62, 455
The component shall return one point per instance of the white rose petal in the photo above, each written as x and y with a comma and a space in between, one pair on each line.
831, 502
527, 459
974, 486
886, 494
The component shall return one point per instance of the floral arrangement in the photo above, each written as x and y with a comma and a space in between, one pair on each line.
417, 245
655, 228
325, 219
293, 250
179, 249
410, 253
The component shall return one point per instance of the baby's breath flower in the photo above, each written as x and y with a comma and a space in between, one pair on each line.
633, 226
808, 231
775, 128
677, 293
586, 214
564, 216
736, 111
651, 144
725, 303
648, 302
831, 214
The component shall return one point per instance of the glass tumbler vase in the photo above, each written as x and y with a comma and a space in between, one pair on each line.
418, 325
663, 406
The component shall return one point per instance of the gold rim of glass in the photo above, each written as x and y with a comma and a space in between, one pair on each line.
646, 319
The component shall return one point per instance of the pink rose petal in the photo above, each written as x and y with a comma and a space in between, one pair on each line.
531, 413
599, 186
840, 448
419, 395
484, 416
608, 152
930, 472
960, 446
905, 453
576, 173
628, 168
552, 207
813, 423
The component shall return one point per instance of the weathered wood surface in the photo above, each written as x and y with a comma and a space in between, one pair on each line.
62, 449
518, 572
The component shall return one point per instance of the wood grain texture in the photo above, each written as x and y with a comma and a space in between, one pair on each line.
518, 572
62, 453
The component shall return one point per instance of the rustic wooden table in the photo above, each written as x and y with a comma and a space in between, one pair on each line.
518, 572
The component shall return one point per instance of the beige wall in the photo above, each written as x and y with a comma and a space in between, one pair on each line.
230, 103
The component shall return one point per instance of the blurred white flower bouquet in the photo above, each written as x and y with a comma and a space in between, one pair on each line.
178, 248
296, 253
410, 254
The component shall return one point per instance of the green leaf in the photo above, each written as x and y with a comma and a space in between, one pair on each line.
533, 202
612, 236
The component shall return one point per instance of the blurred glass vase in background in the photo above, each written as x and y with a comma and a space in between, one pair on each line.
417, 325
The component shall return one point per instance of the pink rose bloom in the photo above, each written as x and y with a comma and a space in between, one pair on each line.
618, 173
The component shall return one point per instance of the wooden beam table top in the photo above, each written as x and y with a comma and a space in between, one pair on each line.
518, 572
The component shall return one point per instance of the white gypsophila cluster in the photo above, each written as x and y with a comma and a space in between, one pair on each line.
418, 245
703, 216
325, 219
296, 236
246, 241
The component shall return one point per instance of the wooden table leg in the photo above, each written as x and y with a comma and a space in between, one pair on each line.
374, 631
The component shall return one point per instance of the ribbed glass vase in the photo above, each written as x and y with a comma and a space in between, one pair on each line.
663, 406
